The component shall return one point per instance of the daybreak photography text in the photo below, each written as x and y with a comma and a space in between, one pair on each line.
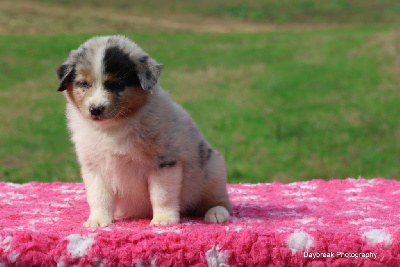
338, 254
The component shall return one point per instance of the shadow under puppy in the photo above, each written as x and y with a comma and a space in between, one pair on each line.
141, 154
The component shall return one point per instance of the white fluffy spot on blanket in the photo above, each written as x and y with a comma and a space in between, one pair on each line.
306, 220
216, 257
377, 236
5, 243
299, 241
78, 244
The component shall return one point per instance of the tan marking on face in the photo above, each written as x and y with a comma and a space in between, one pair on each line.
132, 100
110, 77
85, 75
78, 95
70, 94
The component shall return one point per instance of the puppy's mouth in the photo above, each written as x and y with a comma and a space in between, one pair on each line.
98, 118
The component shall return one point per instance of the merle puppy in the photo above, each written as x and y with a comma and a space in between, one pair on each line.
141, 154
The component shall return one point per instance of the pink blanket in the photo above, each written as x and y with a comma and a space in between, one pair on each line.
314, 223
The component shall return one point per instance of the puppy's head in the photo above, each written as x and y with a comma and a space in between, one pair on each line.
108, 78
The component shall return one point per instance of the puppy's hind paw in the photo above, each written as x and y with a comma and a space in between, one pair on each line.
217, 214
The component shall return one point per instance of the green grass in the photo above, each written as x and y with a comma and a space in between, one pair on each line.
334, 11
281, 106
281, 11
38, 17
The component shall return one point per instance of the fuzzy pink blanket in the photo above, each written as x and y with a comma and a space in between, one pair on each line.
313, 223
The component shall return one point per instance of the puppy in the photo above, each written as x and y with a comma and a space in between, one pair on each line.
141, 154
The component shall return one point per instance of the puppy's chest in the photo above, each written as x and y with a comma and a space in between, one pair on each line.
122, 150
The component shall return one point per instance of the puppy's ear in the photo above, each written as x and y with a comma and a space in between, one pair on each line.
65, 73
148, 71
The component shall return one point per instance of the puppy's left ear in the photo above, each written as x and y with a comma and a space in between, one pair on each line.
65, 73
148, 71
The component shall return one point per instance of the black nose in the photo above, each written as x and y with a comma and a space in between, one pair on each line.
96, 110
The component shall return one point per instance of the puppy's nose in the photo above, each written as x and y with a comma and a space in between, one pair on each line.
96, 110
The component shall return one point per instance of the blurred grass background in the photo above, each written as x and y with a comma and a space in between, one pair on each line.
287, 90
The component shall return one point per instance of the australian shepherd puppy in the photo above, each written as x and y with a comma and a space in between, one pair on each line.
141, 154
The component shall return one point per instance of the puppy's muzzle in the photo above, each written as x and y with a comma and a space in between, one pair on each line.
96, 110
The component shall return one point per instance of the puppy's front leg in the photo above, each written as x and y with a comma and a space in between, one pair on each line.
165, 191
100, 199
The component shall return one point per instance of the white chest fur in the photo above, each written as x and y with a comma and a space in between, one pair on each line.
113, 158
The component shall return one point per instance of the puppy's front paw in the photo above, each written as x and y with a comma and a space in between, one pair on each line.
98, 222
165, 219
217, 214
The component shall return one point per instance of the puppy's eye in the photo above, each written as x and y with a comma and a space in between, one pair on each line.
82, 84
114, 86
